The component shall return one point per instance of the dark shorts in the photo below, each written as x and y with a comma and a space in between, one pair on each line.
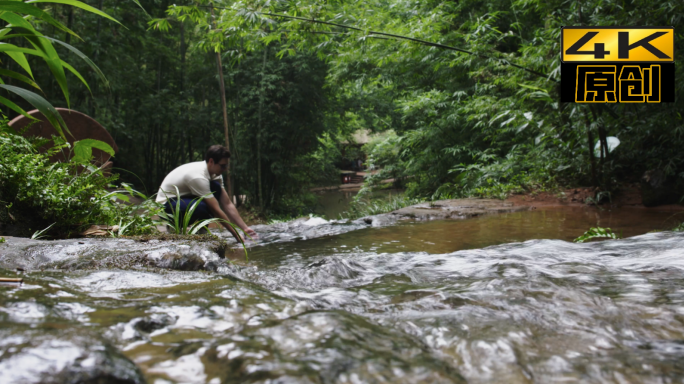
202, 211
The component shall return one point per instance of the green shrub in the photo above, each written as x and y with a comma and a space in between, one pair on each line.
35, 192
597, 233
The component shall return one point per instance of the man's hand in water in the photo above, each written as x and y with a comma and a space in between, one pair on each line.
251, 233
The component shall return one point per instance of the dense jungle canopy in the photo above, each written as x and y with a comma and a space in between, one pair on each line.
469, 91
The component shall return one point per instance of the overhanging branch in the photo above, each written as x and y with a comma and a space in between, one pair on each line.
424, 42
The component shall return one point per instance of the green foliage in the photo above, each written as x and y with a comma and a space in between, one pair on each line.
2, 240
71, 195
179, 220
37, 235
362, 208
599, 198
57, 192
132, 218
22, 19
597, 233
464, 122
469, 123
83, 149
294, 145
323, 160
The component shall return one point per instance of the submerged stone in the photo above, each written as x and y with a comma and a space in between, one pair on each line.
61, 356
456, 209
326, 347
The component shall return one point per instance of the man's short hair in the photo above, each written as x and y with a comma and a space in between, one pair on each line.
217, 152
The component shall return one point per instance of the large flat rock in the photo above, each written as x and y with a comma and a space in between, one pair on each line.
445, 209
97, 253
457, 209
192, 255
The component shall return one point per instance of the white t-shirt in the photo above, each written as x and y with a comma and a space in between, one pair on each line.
192, 179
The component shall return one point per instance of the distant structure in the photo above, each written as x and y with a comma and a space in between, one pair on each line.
80, 125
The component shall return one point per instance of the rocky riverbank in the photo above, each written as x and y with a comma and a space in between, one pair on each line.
372, 302
209, 254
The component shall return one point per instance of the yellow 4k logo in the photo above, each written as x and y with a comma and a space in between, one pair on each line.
617, 64
614, 44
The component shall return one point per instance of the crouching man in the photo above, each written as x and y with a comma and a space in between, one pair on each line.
199, 179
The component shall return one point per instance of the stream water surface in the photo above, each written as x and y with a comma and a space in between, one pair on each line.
494, 299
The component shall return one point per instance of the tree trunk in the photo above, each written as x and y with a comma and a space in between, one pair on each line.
70, 25
99, 27
579, 13
222, 86
592, 158
261, 109
184, 130
182, 56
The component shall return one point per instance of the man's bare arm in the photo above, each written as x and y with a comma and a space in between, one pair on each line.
213, 205
232, 212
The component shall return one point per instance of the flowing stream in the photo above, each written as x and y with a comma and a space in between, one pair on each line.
494, 299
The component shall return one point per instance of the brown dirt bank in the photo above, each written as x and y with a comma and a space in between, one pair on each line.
627, 196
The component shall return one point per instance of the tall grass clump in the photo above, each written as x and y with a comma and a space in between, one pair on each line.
180, 221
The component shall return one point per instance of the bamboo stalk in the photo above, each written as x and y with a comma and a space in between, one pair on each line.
261, 108
222, 86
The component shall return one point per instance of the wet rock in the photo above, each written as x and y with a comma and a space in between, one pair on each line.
62, 356
139, 328
381, 220
456, 209
154, 322
326, 347
442, 209
657, 189
304, 228
82, 254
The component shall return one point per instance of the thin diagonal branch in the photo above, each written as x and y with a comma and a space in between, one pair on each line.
424, 42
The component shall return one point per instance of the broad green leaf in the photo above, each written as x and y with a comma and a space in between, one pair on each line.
82, 153
77, 4
19, 7
141, 7
43, 106
196, 227
17, 21
50, 54
15, 108
18, 76
83, 149
53, 61
101, 145
84, 58
121, 197
76, 73
11, 48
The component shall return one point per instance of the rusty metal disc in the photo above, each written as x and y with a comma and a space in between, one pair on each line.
80, 125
